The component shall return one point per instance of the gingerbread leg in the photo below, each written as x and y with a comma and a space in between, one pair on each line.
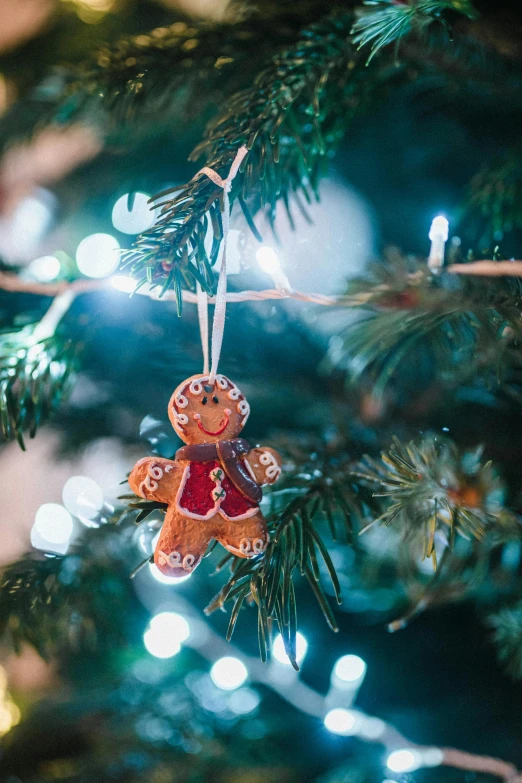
182, 544
244, 537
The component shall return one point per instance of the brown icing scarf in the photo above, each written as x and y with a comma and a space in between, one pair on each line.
228, 453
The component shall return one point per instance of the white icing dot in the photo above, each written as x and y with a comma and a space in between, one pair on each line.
181, 401
222, 382
234, 393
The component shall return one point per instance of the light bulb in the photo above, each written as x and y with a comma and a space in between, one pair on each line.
98, 255
135, 220
350, 669
45, 268
160, 645
172, 625
53, 523
439, 228
403, 760
341, 721
279, 652
82, 497
228, 673
268, 259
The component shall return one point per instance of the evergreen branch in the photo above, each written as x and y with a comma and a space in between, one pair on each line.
394, 20
459, 329
291, 119
34, 377
507, 638
295, 548
493, 207
431, 488
59, 602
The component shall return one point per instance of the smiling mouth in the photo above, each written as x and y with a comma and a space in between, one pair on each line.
222, 426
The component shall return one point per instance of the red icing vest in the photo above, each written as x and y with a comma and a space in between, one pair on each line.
205, 490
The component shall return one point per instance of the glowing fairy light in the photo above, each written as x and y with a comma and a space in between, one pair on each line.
439, 236
229, 673
171, 624
53, 527
97, 255
349, 670
269, 262
279, 652
403, 760
135, 220
82, 497
123, 283
341, 721
45, 268
165, 634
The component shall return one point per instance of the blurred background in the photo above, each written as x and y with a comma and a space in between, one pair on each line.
167, 699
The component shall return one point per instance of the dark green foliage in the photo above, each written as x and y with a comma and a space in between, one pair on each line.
507, 637
291, 119
392, 20
67, 603
494, 202
462, 327
34, 377
431, 487
321, 491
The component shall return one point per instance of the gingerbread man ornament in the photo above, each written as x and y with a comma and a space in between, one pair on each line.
213, 486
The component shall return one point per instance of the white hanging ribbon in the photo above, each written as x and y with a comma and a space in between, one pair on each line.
218, 325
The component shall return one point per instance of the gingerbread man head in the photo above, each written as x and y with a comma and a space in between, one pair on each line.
201, 412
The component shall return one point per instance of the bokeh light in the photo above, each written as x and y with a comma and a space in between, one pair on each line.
341, 721
82, 497
350, 669
244, 701
268, 259
133, 221
403, 760
98, 255
165, 634
279, 652
45, 268
123, 283
171, 624
53, 525
228, 673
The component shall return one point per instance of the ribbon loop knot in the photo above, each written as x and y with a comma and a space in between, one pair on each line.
218, 325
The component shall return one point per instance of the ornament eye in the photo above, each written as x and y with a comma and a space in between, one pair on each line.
204, 400
215, 399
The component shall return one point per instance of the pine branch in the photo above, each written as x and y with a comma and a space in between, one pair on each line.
430, 488
507, 638
68, 602
394, 19
34, 377
462, 328
291, 119
169, 75
295, 548
493, 206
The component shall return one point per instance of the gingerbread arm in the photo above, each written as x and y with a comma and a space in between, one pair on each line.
156, 478
264, 464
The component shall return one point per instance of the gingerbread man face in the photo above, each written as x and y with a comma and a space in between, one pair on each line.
204, 413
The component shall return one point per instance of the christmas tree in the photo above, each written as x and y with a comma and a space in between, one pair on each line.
313, 211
